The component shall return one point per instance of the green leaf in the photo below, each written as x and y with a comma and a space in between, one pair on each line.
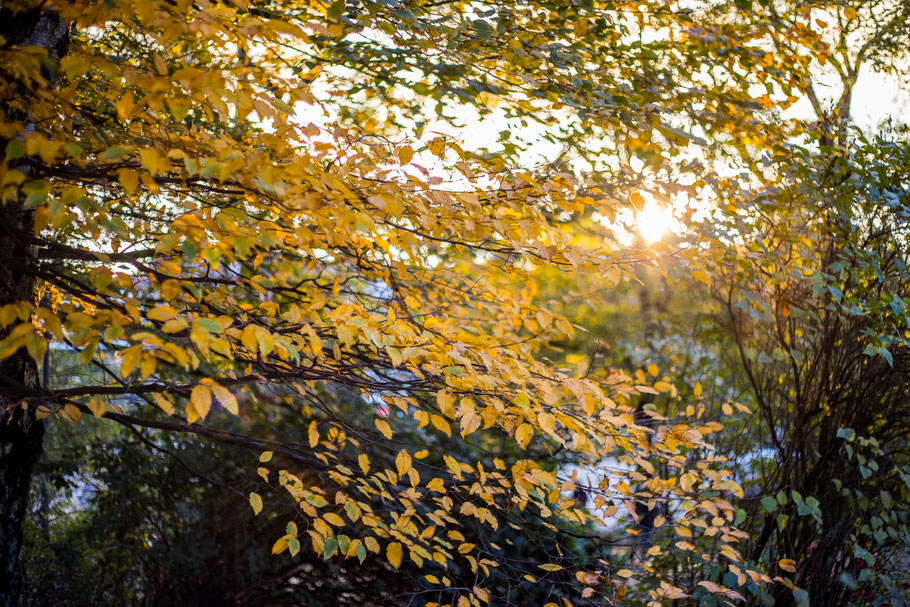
331, 548
483, 29
209, 324
293, 546
115, 152
886, 499
14, 149
769, 503
846, 434
887, 356
335, 10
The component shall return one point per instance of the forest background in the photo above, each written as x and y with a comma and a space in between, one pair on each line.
278, 330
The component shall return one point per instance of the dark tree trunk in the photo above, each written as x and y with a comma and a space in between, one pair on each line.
21, 433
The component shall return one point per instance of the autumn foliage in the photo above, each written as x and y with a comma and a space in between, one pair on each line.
250, 209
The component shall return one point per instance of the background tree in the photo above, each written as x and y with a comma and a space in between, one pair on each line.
813, 290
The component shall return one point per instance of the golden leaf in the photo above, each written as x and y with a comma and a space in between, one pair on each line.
523, 435
403, 462
256, 503
405, 154
97, 406
384, 427
201, 399
393, 553
313, 434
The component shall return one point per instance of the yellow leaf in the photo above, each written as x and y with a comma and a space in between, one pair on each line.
160, 65
164, 403
546, 422
72, 412
148, 364
266, 456
405, 154
849, 12
436, 485
364, 462
697, 390
384, 427
129, 179
624, 573
452, 464
201, 399
226, 398
523, 435
437, 147
470, 421
256, 503
174, 325
712, 587
148, 157
97, 406
313, 434
394, 355
550, 567
403, 462
653, 370
787, 565
522, 399
587, 577
393, 553
441, 424
161, 313
125, 105
131, 358
248, 338
445, 400
280, 546
727, 409
333, 519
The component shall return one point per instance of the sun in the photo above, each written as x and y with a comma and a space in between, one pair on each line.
654, 221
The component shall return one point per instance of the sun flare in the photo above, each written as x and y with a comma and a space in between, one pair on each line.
654, 221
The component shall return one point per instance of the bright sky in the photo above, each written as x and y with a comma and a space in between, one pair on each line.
875, 98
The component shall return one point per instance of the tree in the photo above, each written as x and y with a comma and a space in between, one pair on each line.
813, 292
176, 215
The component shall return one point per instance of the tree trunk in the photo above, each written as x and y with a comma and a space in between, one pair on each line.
21, 433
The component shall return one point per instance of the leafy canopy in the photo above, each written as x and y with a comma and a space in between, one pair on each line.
243, 205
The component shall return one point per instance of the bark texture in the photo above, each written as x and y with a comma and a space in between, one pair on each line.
21, 434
